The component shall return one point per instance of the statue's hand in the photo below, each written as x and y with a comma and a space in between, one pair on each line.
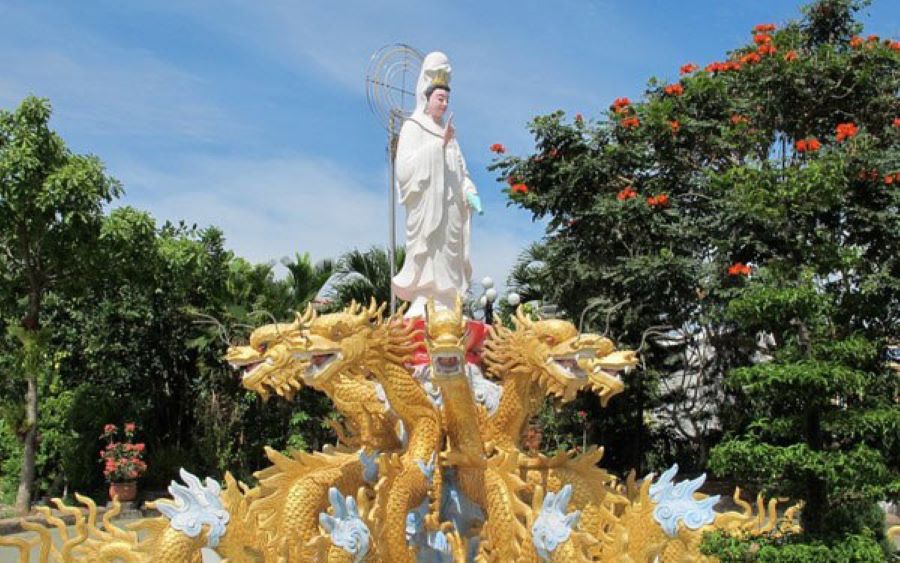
449, 130
474, 202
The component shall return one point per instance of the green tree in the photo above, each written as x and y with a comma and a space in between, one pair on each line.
146, 345
362, 275
306, 278
51, 203
528, 276
751, 208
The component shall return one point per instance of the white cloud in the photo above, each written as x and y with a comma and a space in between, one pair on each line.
270, 208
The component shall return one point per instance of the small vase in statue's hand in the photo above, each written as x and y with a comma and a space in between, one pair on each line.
474, 202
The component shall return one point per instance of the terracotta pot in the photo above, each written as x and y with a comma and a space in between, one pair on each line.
125, 491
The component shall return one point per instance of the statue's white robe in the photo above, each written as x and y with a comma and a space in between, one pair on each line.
432, 181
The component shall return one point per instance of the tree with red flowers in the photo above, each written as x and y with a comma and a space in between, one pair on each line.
761, 241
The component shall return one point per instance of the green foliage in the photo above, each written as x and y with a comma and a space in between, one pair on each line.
10, 462
783, 470
362, 275
47, 194
852, 549
142, 339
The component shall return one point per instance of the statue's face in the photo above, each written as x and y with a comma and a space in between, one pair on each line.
437, 103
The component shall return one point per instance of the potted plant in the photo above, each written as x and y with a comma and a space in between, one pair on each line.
123, 461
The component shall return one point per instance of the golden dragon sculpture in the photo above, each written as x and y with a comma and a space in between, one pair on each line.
429, 464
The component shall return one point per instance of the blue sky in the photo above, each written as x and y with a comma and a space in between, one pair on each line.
252, 115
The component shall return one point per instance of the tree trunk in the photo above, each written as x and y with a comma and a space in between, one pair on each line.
816, 493
26, 475
31, 346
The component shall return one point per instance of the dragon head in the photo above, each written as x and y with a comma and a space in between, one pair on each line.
267, 361
565, 361
604, 381
445, 340
332, 342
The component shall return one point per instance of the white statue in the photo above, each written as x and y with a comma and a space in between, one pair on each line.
438, 194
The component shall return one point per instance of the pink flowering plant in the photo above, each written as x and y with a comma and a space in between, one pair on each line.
122, 459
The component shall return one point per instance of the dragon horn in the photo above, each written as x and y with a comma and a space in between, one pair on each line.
521, 319
398, 314
429, 309
458, 309
374, 311
380, 312
307, 317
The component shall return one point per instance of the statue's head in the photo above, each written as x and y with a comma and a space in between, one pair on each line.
438, 100
433, 87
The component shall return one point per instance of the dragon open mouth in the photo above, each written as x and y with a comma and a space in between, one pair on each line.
447, 364
251, 366
569, 364
318, 363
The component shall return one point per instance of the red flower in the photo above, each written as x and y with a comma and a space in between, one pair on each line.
888, 180
856, 42
764, 28
520, 189
674, 90
767, 49
582, 414
739, 269
872, 38
621, 105
808, 145
627, 193
739, 119
895, 45
846, 131
688, 68
674, 125
790, 55
630, 122
762, 39
723, 67
122, 460
498, 148
579, 118
868, 174
896, 122
751, 58
660, 200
